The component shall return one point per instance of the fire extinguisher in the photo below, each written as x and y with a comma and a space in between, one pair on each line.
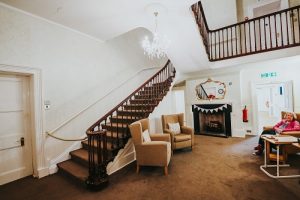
245, 114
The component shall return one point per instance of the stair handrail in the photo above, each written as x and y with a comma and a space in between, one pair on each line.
51, 133
243, 36
91, 128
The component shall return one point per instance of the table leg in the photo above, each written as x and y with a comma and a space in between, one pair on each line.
277, 148
265, 158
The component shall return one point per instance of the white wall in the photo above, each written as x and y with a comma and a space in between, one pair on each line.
240, 93
219, 13
76, 70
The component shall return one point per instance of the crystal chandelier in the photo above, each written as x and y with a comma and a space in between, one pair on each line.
158, 46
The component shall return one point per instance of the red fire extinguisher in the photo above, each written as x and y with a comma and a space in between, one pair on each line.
245, 114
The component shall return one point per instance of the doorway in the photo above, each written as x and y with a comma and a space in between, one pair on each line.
271, 99
16, 127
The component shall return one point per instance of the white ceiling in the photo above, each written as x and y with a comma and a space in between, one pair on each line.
106, 19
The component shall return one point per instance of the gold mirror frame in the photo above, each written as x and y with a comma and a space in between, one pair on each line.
210, 89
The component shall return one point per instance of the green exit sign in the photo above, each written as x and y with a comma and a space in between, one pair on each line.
268, 75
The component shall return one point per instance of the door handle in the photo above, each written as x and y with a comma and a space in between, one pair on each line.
22, 141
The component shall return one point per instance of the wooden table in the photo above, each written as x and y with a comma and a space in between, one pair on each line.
264, 167
296, 145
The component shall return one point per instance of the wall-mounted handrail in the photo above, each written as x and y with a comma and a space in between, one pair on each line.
64, 123
126, 99
269, 32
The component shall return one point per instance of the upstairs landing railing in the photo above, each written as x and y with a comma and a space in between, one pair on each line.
269, 32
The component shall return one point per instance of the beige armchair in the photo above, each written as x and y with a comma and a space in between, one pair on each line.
287, 149
157, 152
186, 136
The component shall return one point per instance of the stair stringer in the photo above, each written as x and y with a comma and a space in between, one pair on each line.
124, 157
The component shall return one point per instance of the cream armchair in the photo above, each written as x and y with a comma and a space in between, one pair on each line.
156, 152
183, 139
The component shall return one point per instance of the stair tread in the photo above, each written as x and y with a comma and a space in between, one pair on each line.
74, 169
120, 124
81, 153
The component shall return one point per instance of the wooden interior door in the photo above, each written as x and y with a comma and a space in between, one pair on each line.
15, 128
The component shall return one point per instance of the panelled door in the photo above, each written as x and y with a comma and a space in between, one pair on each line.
15, 128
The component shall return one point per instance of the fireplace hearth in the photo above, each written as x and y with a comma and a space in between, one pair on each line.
212, 119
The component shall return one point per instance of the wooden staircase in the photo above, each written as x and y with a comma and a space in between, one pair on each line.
95, 154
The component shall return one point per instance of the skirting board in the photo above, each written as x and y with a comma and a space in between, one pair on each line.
62, 157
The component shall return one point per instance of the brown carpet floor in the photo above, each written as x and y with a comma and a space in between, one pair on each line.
217, 168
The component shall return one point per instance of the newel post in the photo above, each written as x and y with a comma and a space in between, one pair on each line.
97, 153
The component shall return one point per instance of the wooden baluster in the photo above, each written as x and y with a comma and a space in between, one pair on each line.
219, 43
293, 25
231, 40
270, 30
265, 33
298, 25
259, 30
240, 30
245, 34
275, 22
227, 50
281, 30
236, 40
215, 45
287, 28
254, 29
223, 44
250, 43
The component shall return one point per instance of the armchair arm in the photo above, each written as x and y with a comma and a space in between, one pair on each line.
187, 130
160, 137
169, 132
155, 152
267, 128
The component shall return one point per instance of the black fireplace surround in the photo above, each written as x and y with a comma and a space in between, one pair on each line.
224, 109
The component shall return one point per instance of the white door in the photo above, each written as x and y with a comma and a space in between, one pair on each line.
15, 141
271, 100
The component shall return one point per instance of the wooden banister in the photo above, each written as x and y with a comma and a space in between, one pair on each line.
269, 32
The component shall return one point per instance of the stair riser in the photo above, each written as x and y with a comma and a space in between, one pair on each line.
157, 88
136, 114
142, 101
139, 107
125, 121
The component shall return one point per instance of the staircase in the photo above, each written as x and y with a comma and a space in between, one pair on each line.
110, 133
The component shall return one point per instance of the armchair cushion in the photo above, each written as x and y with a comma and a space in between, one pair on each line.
160, 137
174, 127
146, 136
182, 137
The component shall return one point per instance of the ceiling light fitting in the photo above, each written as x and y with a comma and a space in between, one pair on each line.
155, 48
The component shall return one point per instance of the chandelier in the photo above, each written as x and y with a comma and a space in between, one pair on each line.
155, 48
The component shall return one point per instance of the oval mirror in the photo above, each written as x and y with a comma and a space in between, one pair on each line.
211, 90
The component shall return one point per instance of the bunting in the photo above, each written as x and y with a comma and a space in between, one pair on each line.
207, 110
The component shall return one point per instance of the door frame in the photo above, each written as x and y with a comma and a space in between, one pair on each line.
37, 115
254, 100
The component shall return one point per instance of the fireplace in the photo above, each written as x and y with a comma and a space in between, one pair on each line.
212, 119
